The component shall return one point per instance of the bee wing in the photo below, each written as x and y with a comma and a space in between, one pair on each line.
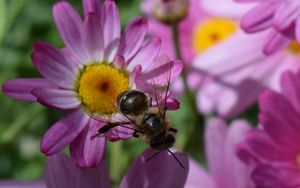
156, 80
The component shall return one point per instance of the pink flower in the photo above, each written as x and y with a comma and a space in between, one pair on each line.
280, 15
225, 169
241, 73
161, 171
61, 172
186, 29
274, 148
85, 78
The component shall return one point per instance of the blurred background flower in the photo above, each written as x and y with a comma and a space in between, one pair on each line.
273, 148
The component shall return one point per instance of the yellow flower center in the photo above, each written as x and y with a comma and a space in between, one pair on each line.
294, 47
211, 32
98, 87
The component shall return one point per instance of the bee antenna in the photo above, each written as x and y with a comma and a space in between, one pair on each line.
155, 154
176, 158
167, 90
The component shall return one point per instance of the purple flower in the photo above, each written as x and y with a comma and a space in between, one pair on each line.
61, 172
161, 171
242, 73
225, 169
85, 78
186, 29
274, 148
280, 16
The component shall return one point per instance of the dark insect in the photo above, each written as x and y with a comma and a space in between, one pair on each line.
149, 122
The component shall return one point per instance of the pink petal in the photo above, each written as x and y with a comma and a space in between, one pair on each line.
286, 15
260, 17
53, 66
207, 97
56, 98
290, 84
262, 145
111, 29
244, 153
215, 137
161, 171
297, 30
70, 27
146, 54
60, 56
230, 61
133, 37
280, 118
235, 100
267, 176
233, 166
62, 173
119, 61
93, 37
198, 177
226, 8
22, 184
172, 103
90, 6
275, 42
63, 132
119, 133
247, 1
162, 70
21, 88
87, 151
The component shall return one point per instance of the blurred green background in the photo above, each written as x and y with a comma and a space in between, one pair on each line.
22, 124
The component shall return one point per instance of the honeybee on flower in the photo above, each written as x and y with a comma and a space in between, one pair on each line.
97, 64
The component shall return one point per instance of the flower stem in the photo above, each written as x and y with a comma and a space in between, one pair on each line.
193, 143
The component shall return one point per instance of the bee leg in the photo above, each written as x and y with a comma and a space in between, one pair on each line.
173, 130
135, 134
151, 104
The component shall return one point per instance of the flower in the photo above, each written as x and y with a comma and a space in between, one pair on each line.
85, 78
170, 11
225, 168
273, 148
280, 16
161, 171
60, 172
197, 32
242, 73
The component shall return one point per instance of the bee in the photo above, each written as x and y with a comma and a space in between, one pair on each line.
149, 122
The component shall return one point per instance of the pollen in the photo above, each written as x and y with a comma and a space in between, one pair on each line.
211, 32
294, 47
98, 87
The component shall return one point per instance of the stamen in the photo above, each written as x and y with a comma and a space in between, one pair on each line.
98, 87
211, 32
